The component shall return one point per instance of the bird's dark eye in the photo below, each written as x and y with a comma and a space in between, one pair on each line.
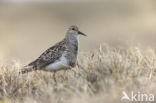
73, 28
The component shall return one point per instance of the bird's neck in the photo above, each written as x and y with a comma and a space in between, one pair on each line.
72, 39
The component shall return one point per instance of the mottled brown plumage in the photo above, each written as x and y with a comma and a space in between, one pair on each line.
62, 55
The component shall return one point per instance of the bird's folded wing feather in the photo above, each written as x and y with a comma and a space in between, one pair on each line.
49, 56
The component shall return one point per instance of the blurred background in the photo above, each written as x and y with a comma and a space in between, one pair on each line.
29, 28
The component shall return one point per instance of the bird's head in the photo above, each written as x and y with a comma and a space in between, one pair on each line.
75, 31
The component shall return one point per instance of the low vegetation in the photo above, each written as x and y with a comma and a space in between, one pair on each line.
100, 77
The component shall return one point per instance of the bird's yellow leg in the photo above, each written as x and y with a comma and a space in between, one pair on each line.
54, 77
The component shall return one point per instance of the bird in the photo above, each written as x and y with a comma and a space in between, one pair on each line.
61, 56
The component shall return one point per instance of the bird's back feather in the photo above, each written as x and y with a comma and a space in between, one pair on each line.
49, 56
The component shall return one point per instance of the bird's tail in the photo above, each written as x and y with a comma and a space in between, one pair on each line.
26, 69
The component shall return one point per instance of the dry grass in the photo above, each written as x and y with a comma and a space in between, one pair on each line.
99, 77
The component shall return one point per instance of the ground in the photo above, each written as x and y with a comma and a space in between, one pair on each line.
101, 76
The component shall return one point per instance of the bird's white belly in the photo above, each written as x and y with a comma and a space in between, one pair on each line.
58, 64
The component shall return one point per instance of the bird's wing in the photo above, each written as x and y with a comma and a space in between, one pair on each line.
49, 56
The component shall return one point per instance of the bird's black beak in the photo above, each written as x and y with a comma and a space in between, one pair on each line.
81, 33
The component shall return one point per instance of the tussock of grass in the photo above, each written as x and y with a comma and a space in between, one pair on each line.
100, 76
